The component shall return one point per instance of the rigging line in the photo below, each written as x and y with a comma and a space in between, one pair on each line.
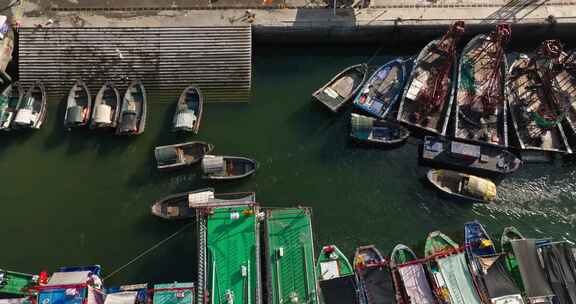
145, 252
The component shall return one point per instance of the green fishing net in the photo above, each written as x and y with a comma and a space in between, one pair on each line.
467, 76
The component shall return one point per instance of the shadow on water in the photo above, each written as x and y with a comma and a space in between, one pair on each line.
56, 120
14, 138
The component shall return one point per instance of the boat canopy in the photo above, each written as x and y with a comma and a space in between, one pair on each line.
69, 278
481, 188
24, 117
458, 279
103, 114
339, 291
533, 277
498, 283
378, 284
124, 297
200, 197
185, 119
174, 293
361, 123
212, 163
416, 285
16, 301
75, 114
560, 267
167, 156
465, 150
71, 296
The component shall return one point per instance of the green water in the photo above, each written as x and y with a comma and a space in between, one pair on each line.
83, 198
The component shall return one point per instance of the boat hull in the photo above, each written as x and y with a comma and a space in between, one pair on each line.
346, 85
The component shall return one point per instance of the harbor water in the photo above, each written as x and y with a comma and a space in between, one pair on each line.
76, 198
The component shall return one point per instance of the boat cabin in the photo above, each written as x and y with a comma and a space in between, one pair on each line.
212, 164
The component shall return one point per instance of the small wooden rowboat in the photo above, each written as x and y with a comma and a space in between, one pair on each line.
78, 106
375, 131
374, 283
183, 205
342, 88
32, 111
409, 277
188, 113
336, 276
227, 167
480, 159
9, 102
106, 107
181, 155
463, 187
132, 117
383, 89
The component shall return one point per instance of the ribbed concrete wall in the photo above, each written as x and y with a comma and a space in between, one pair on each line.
216, 59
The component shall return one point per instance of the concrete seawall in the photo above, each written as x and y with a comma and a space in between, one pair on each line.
387, 22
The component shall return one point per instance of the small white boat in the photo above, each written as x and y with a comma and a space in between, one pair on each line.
227, 167
106, 107
32, 111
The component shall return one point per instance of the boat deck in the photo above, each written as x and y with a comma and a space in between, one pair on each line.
16, 283
233, 260
290, 256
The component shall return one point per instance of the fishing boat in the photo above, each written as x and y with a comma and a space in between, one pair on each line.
127, 294
449, 274
106, 107
524, 264
563, 74
181, 155
410, 282
290, 275
227, 167
427, 98
73, 285
535, 111
188, 113
342, 88
383, 89
477, 244
16, 284
78, 106
336, 277
463, 187
32, 110
481, 107
175, 293
6, 48
494, 282
132, 116
232, 258
184, 205
370, 130
479, 159
374, 283
9, 102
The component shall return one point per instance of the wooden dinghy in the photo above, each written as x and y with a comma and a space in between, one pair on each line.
427, 98
564, 84
132, 117
181, 155
383, 89
336, 277
478, 159
535, 112
227, 167
410, 282
374, 283
184, 205
106, 107
78, 106
481, 108
342, 88
9, 102
188, 113
462, 187
32, 110
375, 131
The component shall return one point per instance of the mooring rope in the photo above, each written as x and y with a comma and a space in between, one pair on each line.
145, 252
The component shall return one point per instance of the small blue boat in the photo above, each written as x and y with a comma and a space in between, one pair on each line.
382, 89
477, 240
